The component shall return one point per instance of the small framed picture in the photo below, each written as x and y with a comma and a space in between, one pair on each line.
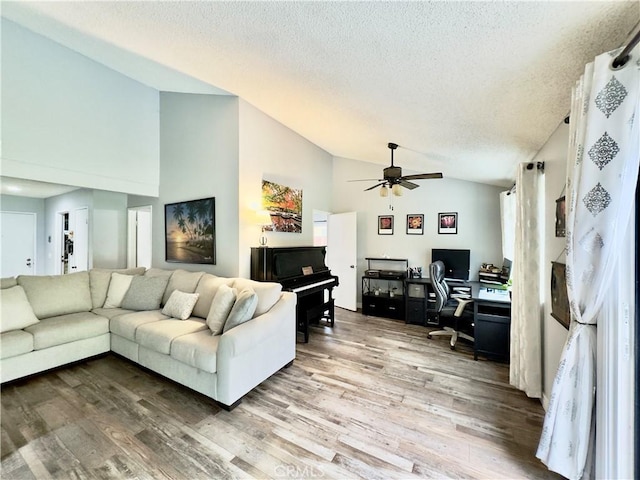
415, 224
385, 225
561, 217
559, 296
448, 222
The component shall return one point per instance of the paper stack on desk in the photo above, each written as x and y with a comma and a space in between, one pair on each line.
493, 294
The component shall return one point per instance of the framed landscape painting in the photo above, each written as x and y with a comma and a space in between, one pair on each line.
190, 231
284, 204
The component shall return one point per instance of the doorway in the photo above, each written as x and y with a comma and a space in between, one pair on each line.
139, 237
73, 241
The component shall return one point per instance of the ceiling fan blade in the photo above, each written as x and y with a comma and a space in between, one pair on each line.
423, 176
409, 185
367, 180
375, 186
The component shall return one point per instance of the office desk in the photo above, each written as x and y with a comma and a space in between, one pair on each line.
492, 319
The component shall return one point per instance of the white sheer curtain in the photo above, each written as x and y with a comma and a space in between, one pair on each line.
525, 367
604, 154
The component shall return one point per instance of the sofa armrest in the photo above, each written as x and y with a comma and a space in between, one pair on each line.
250, 353
276, 322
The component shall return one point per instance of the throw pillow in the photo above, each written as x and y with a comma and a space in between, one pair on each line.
220, 308
16, 310
145, 293
242, 310
180, 304
118, 287
100, 278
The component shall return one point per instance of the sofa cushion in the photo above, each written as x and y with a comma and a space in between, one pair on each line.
8, 282
197, 350
220, 308
15, 311
180, 304
207, 288
67, 328
145, 293
54, 295
100, 278
268, 293
126, 325
118, 287
158, 272
242, 310
183, 281
15, 343
157, 336
110, 312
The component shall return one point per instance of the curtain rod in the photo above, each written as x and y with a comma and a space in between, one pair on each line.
623, 58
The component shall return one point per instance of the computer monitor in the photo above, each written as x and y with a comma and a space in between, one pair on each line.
456, 262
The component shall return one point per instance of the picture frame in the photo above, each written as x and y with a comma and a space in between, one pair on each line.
448, 223
284, 204
385, 224
190, 231
559, 296
415, 224
561, 217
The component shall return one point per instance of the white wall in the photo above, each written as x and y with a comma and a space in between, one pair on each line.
478, 208
12, 203
198, 159
67, 119
109, 229
271, 151
554, 154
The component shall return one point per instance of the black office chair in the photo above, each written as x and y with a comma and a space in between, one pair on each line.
454, 308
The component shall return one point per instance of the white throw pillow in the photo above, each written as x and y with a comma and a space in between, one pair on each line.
15, 309
180, 304
220, 308
118, 287
242, 310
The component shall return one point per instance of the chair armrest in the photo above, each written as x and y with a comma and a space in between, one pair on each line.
462, 303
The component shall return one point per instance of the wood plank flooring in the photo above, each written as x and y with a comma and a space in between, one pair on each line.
371, 398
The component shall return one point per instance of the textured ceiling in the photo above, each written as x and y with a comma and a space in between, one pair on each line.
466, 88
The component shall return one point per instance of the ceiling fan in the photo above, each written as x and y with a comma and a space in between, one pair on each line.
393, 179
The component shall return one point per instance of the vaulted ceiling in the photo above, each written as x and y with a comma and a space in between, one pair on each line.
466, 88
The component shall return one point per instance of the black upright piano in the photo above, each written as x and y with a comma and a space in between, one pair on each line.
301, 270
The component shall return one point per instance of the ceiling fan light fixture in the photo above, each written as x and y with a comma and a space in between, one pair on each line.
384, 191
397, 190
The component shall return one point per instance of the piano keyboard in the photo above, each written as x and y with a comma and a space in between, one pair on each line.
312, 285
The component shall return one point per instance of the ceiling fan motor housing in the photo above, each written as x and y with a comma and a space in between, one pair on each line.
392, 173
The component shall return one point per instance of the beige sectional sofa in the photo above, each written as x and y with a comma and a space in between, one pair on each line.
49, 321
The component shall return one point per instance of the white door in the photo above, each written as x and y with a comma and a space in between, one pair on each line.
79, 261
342, 254
18, 244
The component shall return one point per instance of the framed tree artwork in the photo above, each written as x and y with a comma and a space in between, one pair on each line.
385, 225
190, 231
415, 224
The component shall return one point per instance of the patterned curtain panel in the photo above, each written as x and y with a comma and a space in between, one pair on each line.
604, 155
525, 365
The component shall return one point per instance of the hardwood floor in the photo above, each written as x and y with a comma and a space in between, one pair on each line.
371, 398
